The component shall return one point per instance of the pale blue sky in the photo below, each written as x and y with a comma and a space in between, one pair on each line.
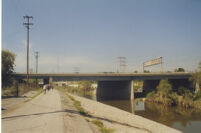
91, 34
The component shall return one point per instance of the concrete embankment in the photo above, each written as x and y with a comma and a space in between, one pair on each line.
121, 121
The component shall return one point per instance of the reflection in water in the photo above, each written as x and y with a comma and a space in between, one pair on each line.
186, 120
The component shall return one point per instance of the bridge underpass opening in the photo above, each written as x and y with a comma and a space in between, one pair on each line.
114, 90
150, 85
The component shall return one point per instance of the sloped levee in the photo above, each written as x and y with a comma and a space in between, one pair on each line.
114, 115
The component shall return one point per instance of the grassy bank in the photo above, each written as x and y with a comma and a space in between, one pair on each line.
19, 89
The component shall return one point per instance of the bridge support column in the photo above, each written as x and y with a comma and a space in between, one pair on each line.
46, 81
114, 90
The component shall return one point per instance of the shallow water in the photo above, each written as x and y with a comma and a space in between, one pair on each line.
185, 120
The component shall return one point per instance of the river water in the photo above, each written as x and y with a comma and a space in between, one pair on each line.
185, 120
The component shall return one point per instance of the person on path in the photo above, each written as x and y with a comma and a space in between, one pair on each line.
44, 88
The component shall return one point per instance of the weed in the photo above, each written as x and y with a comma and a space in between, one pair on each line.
87, 119
78, 106
101, 127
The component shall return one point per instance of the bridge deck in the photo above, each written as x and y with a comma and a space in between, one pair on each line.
106, 76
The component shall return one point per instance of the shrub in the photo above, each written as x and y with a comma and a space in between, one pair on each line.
150, 94
164, 87
174, 98
197, 96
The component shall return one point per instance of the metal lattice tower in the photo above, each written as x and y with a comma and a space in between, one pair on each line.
122, 64
76, 69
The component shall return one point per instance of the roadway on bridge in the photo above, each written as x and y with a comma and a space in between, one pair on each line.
40, 115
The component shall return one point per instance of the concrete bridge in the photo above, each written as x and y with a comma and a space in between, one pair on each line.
116, 85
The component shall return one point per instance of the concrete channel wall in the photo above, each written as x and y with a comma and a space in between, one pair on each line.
115, 115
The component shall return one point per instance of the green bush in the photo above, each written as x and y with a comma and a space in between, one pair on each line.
164, 88
181, 91
197, 96
174, 98
150, 94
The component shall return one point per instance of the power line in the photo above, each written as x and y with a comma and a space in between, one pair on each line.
27, 25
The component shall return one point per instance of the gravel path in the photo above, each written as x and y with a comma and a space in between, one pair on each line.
73, 121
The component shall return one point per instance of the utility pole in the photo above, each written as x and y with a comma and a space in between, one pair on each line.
36, 55
27, 24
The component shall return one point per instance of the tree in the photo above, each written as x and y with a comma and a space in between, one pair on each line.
164, 88
85, 86
179, 70
146, 71
135, 71
196, 78
8, 59
199, 65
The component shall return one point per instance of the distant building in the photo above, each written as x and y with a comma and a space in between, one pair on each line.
74, 85
94, 86
61, 83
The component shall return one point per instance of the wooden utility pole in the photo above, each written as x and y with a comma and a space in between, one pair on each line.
27, 25
36, 55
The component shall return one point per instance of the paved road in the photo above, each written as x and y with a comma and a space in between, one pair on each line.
41, 115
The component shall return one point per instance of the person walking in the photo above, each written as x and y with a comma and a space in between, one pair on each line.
44, 88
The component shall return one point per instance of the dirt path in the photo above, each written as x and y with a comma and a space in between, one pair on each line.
40, 115
9, 103
45, 114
